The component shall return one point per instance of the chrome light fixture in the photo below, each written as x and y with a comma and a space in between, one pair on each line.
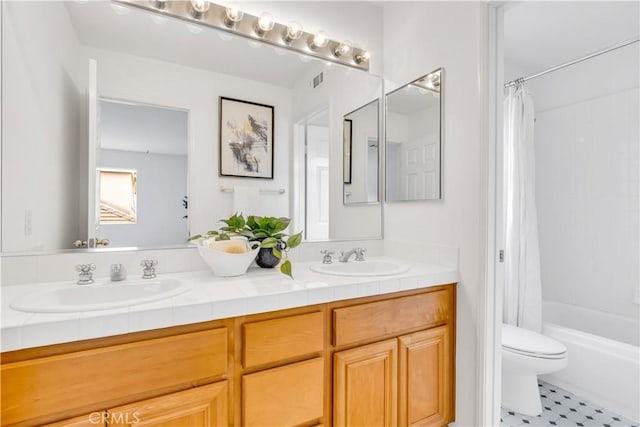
362, 57
343, 49
199, 8
292, 33
265, 24
228, 19
318, 40
232, 15
160, 4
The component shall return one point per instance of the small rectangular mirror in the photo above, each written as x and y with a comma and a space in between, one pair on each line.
361, 154
414, 140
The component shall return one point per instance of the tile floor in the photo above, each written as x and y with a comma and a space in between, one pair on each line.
561, 408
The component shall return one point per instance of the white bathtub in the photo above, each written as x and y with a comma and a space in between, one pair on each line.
604, 357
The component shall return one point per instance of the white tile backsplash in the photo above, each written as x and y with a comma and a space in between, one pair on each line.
20, 269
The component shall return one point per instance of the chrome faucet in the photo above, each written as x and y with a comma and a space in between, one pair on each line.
344, 256
326, 256
86, 273
149, 268
118, 272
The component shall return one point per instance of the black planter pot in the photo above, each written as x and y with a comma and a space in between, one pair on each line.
266, 258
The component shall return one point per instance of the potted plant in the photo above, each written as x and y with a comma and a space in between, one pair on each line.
269, 231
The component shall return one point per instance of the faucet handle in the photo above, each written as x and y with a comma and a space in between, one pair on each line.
360, 253
86, 276
326, 259
148, 271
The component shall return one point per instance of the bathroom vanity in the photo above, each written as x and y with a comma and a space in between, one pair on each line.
385, 357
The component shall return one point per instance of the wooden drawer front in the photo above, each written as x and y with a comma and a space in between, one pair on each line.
383, 318
85, 379
204, 406
275, 340
287, 396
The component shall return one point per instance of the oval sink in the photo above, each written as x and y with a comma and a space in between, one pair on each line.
98, 296
360, 268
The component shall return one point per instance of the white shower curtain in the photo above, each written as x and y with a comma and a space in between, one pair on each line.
522, 290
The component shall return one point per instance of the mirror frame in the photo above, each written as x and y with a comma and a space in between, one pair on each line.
440, 138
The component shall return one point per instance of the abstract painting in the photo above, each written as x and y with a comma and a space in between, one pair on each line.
246, 139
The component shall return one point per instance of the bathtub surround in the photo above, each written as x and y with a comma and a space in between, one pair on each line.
605, 357
564, 409
522, 288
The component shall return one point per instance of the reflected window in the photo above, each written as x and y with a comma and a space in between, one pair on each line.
118, 196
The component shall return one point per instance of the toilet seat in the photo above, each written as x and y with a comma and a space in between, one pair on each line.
532, 344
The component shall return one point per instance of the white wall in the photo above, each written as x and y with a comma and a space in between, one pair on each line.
162, 184
418, 38
364, 125
43, 84
587, 157
150, 81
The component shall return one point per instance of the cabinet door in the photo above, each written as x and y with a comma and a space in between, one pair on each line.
365, 385
425, 379
204, 406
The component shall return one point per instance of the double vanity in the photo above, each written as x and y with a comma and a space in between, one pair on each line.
255, 350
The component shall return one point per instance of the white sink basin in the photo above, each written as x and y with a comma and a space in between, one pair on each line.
98, 296
360, 268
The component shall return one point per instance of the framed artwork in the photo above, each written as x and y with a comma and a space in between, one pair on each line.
347, 145
246, 139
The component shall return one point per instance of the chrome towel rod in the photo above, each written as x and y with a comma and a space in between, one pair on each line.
575, 61
262, 190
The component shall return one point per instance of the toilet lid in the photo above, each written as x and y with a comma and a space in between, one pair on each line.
524, 341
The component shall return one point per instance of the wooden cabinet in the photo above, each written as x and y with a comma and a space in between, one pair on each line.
384, 360
425, 378
365, 385
204, 406
407, 380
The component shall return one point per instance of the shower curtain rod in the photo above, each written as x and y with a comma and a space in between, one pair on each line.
575, 61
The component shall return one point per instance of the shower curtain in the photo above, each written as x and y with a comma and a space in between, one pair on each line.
522, 288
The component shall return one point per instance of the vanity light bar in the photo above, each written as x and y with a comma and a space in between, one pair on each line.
215, 16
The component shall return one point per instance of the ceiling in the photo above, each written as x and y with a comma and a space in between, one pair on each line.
542, 34
132, 31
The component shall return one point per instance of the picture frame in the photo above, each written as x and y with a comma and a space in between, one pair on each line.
246, 135
347, 145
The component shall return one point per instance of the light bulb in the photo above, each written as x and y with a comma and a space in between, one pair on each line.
293, 32
232, 15
363, 56
343, 49
319, 40
199, 8
265, 24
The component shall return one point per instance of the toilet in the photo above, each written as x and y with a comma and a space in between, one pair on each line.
525, 355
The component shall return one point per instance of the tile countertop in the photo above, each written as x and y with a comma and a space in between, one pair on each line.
209, 298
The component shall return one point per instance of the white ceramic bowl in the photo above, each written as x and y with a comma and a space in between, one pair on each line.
225, 257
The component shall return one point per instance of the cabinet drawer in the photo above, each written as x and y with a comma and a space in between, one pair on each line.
276, 340
85, 379
383, 318
287, 396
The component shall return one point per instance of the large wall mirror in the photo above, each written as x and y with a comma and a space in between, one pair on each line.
361, 154
111, 130
414, 140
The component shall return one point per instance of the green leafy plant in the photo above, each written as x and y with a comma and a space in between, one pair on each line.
268, 230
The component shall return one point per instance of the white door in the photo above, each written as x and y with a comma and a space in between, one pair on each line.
420, 167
